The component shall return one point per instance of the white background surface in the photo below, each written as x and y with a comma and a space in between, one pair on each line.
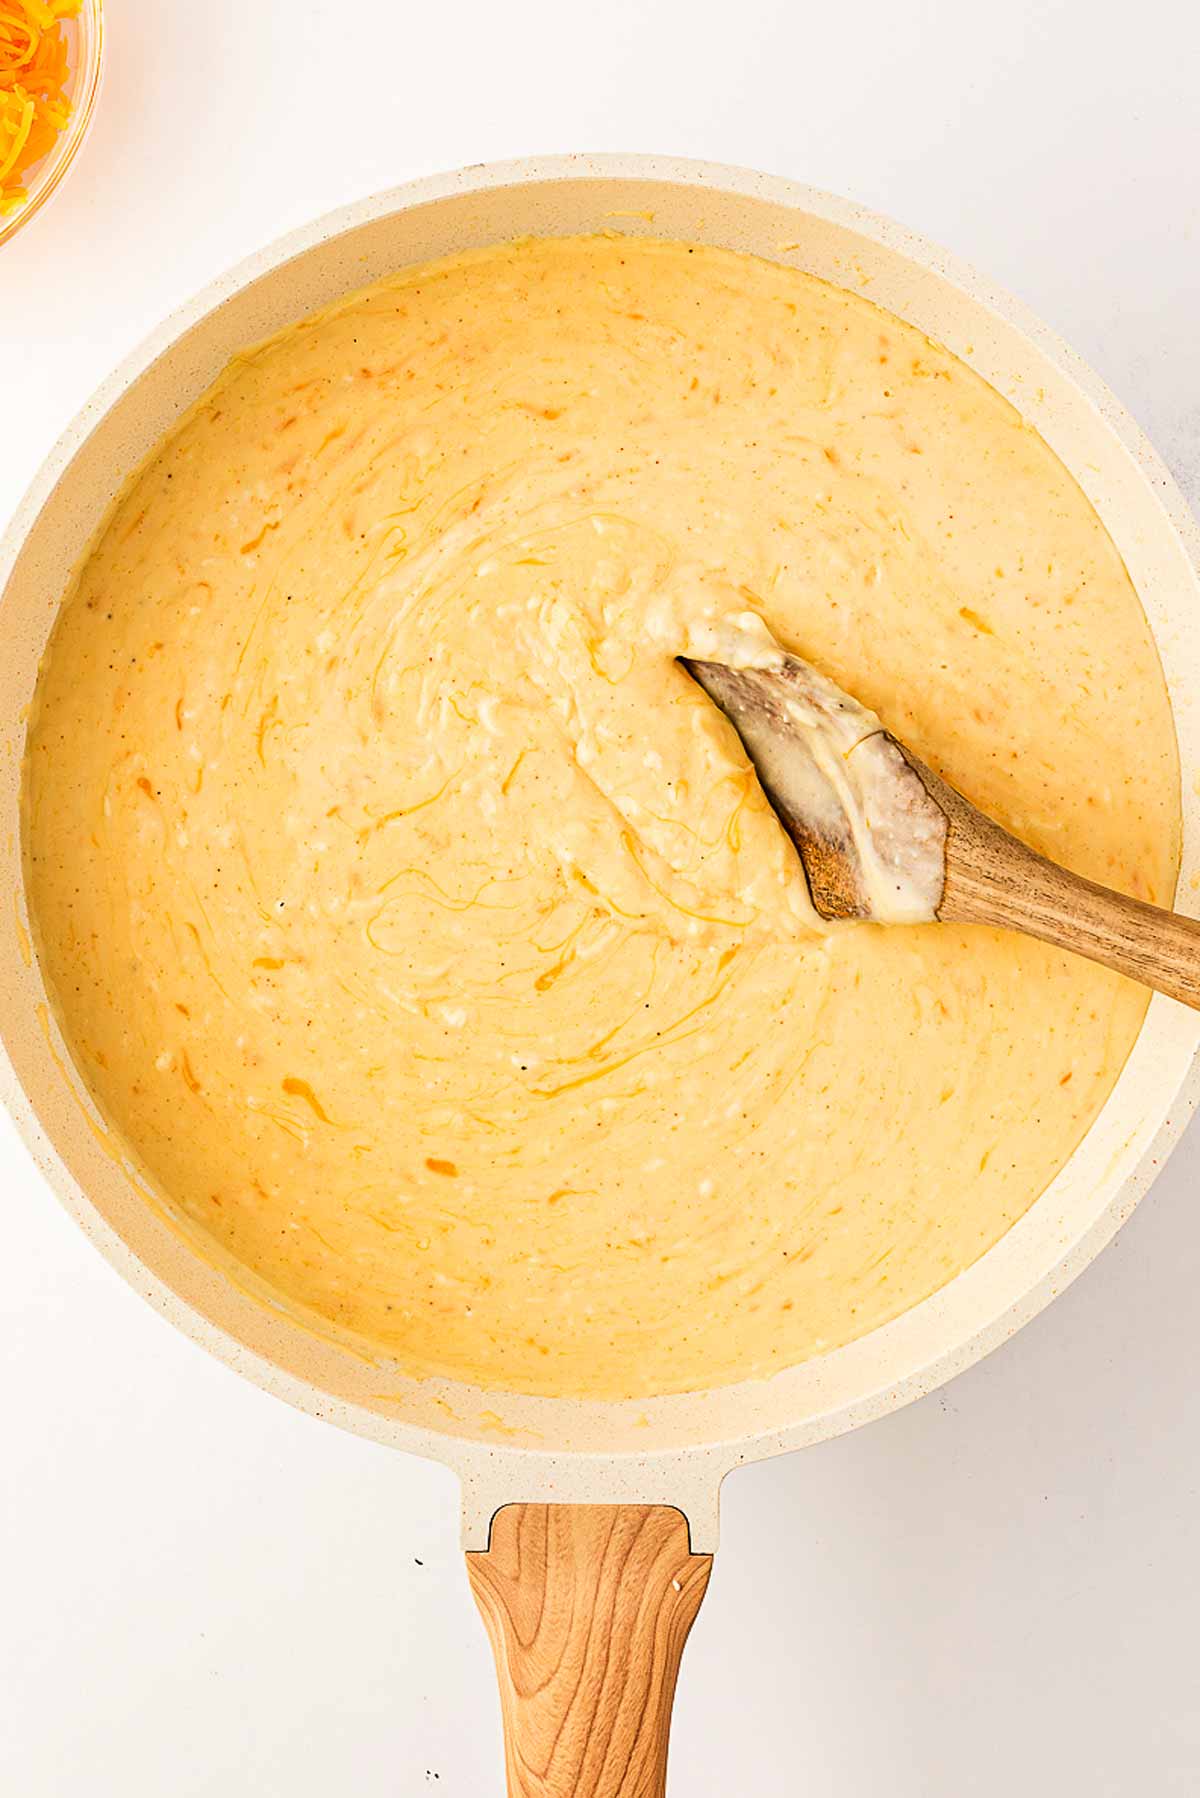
995, 1591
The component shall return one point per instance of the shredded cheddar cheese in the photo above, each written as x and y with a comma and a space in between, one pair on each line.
34, 106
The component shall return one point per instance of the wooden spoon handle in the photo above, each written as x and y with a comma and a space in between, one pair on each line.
1159, 948
588, 1608
994, 878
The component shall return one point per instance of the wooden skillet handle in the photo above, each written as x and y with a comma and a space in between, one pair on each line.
588, 1608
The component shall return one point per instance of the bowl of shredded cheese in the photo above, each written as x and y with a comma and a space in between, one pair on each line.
51, 53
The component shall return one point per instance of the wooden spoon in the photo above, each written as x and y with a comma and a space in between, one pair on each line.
895, 820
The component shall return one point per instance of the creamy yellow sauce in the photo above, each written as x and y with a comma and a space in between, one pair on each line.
421, 926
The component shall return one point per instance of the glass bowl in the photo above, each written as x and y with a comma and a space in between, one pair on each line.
85, 41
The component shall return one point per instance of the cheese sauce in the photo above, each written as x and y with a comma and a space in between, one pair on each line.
420, 924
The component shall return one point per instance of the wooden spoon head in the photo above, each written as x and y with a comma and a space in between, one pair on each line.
869, 835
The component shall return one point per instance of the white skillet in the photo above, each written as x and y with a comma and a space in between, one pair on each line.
589, 1607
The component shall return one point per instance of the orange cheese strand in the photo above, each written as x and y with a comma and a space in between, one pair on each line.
34, 106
